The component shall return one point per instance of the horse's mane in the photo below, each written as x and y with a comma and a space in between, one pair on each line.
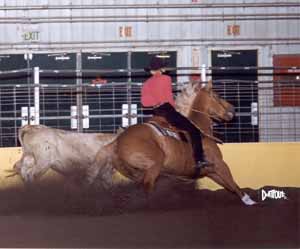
185, 98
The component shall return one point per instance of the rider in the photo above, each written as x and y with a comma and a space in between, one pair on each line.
157, 93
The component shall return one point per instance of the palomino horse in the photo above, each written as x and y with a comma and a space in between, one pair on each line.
142, 154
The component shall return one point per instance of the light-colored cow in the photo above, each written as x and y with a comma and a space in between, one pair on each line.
66, 152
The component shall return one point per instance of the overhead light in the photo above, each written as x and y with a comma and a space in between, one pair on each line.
160, 54
163, 56
224, 55
100, 54
62, 58
94, 57
56, 54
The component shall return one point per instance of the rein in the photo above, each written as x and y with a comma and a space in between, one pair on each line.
204, 133
195, 110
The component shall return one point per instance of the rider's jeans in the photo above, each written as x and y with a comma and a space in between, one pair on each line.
181, 122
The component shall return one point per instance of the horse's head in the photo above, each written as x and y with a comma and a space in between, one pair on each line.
209, 102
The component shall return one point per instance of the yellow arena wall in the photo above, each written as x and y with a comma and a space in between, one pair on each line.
253, 165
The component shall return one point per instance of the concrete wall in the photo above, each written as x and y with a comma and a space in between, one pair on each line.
253, 165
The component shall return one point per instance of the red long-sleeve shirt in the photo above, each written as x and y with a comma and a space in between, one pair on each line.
157, 90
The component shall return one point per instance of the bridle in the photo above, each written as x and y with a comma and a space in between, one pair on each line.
207, 114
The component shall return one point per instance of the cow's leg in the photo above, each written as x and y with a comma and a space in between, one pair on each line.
26, 167
15, 169
29, 169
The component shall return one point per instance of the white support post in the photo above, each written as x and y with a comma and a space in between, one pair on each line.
86, 119
74, 117
24, 115
203, 74
254, 113
129, 119
36, 96
32, 119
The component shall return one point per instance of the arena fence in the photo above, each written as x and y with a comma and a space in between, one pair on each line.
266, 110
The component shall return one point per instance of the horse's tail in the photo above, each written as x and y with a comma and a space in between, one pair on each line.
102, 166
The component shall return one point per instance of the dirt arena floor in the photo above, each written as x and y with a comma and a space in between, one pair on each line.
175, 216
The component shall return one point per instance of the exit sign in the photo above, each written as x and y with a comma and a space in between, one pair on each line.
233, 30
31, 36
125, 31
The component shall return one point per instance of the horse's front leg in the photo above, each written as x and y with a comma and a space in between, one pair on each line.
220, 173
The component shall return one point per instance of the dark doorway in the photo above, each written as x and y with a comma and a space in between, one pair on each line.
12, 98
239, 87
141, 60
56, 101
105, 100
62, 62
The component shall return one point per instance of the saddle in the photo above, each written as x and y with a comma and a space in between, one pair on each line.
161, 125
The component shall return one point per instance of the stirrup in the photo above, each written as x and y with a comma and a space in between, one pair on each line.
199, 166
202, 164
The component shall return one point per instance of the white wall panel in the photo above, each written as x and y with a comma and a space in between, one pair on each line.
167, 30
181, 36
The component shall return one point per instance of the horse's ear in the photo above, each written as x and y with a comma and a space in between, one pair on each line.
198, 86
209, 85
194, 82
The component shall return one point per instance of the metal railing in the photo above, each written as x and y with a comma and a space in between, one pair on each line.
265, 110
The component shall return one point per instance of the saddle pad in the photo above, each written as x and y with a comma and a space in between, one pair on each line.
167, 132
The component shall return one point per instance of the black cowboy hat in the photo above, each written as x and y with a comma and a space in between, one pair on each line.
156, 63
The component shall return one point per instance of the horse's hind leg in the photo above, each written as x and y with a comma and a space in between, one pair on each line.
150, 177
102, 167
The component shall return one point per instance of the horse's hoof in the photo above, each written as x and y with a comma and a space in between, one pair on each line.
247, 200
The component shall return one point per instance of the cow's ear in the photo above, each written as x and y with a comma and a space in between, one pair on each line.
120, 130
